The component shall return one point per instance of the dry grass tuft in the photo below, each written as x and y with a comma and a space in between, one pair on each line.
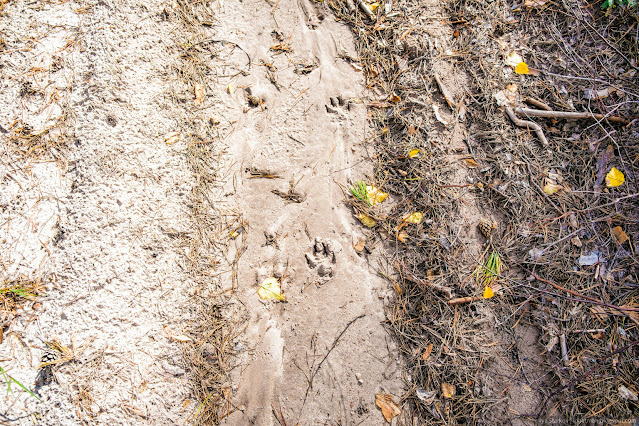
215, 321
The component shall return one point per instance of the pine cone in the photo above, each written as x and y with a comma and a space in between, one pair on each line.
486, 227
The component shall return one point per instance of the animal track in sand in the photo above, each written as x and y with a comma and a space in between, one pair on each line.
339, 106
324, 258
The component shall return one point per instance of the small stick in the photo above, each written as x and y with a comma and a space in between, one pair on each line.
447, 95
365, 8
528, 124
571, 115
537, 103
564, 349
592, 330
410, 277
461, 300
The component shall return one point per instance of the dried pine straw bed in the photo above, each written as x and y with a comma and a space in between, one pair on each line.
566, 238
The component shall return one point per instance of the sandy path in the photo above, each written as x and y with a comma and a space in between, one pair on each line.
304, 136
110, 222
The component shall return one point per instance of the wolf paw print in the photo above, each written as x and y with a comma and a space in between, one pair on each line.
323, 258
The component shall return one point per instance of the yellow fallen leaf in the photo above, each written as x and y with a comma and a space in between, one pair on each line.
366, 220
448, 390
488, 293
270, 289
172, 138
522, 68
414, 218
373, 6
614, 178
471, 163
620, 236
390, 410
375, 195
514, 59
198, 89
427, 352
551, 188
413, 153
402, 236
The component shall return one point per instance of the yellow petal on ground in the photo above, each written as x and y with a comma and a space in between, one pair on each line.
414, 218
551, 188
413, 153
390, 410
366, 220
270, 289
172, 138
514, 59
373, 6
375, 195
522, 68
488, 293
230, 89
614, 178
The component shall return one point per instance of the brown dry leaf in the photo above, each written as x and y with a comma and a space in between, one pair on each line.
427, 352
471, 163
390, 410
395, 99
576, 241
620, 236
402, 236
448, 390
359, 247
397, 288
198, 89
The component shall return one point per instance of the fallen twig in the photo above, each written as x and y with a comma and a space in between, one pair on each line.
461, 300
527, 124
409, 276
537, 103
570, 115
